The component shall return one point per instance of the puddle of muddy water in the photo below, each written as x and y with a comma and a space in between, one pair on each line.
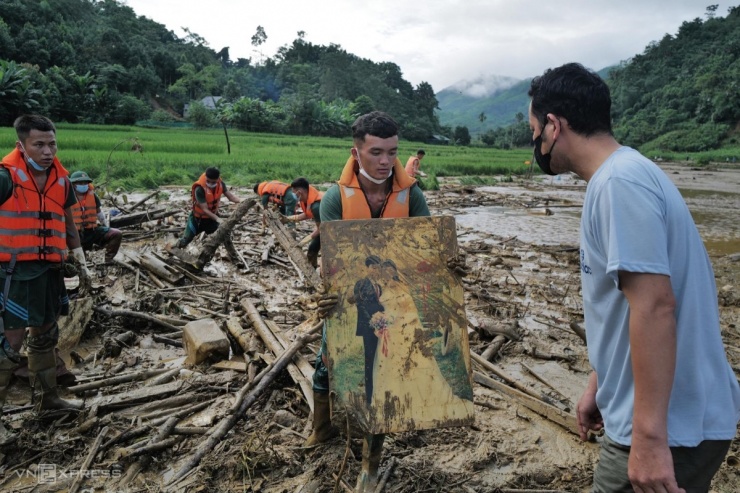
715, 213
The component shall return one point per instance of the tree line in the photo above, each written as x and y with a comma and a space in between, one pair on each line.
97, 62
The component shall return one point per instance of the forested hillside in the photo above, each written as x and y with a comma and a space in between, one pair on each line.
683, 92
96, 61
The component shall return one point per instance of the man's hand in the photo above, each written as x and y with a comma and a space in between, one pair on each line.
457, 266
588, 415
84, 272
326, 304
650, 466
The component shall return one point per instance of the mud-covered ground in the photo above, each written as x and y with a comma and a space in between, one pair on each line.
522, 294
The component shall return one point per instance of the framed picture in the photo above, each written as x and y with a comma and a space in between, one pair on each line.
397, 342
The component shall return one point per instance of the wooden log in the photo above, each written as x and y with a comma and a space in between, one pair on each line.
492, 350
265, 256
138, 395
245, 399
140, 217
154, 265
140, 202
293, 250
580, 331
273, 344
222, 233
502, 375
131, 377
88, 460
566, 420
129, 313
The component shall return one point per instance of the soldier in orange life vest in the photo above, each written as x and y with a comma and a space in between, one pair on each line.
90, 220
278, 193
372, 185
36, 230
206, 194
310, 200
414, 163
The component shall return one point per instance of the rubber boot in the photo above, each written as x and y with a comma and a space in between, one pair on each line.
372, 450
323, 430
42, 372
6, 436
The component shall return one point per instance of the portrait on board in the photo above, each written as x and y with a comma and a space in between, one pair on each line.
397, 342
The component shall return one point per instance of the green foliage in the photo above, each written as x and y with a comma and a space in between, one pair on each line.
91, 61
200, 116
681, 93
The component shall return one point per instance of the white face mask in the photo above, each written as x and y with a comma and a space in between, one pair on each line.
30, 161
366, 175
211, 185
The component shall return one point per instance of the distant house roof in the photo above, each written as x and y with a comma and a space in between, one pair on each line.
209, 102
438, 139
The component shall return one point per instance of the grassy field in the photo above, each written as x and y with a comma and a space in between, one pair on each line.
179, 156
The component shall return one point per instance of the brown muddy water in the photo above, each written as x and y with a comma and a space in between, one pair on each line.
713, 197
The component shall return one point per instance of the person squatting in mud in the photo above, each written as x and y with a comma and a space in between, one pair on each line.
91, 223
310, 199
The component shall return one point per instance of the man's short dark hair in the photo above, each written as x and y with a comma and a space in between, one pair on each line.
256, 187
300, 183
213, 173
375, 123
421, 151
577, 94
372, 260
25, 123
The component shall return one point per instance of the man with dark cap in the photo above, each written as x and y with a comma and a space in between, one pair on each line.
206, 195
90, 220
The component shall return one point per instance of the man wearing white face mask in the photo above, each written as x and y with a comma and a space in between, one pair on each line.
206, 194
36, 231
373, 185
90, 220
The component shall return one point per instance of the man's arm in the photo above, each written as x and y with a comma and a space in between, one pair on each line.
233, 198
652, 331
99, 212
73, 238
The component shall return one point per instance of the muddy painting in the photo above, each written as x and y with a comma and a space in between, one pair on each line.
397, 342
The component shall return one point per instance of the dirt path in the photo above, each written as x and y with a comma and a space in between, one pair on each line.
524, 286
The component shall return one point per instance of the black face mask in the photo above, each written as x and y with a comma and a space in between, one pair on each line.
543, 160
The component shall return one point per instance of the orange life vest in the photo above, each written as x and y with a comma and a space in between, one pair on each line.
274, 189
32, 224
85, 211
354, 202
213, 196
313, 197
412, 165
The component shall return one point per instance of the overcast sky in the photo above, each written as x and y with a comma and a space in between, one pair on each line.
439, 41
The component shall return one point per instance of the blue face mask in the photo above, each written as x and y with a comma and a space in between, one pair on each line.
31, 162
82, 188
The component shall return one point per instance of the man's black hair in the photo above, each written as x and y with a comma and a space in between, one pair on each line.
375, 123
372, 260
256, 187
213, 173
577, 94
300, 183
421, 151
25, 123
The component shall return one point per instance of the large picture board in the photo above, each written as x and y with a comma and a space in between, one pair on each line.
398, 353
